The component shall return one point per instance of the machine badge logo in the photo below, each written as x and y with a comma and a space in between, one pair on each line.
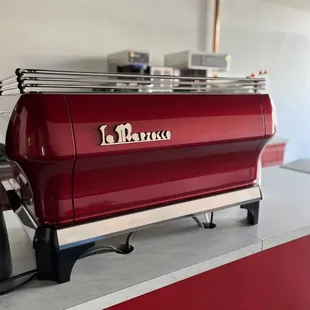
125, 135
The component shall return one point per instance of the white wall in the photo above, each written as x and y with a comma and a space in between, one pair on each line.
260, 34
79, 33
269, 35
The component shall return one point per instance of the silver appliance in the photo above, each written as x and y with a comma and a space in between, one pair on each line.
128, 61
137, 62
198, 65
198, 61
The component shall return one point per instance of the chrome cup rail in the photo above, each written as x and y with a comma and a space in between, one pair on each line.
54, 81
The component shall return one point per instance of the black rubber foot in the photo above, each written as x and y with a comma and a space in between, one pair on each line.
5, 252
205, 225
53, 264
124, 249
253, 212
209, 225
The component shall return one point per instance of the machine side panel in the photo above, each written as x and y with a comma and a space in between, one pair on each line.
213, 139
40, 141
269, 113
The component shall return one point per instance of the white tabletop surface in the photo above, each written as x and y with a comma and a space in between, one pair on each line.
278, 140
169, 252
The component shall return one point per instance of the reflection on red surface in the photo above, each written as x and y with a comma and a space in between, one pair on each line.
40, 140
215, 144
273, 154
213, 140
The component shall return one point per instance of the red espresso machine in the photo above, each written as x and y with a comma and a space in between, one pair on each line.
93, 155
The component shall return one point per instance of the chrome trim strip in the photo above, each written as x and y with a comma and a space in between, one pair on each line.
6, 112
40, 82
142, 88
26, 219
52, 81
39, 72
6, 184
9, 80
84, 233
28, 222
102, 91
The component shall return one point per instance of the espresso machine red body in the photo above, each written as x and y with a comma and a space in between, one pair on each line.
90, 160
214, 146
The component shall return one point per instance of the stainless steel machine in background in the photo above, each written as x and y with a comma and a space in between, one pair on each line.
134, 62
185, 71
128, 61
202, 66
198, 64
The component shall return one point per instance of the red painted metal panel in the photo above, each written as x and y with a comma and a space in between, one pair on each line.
215, 144
269, 113
213, 139
40, 140
273, 155
270, 129
276, 279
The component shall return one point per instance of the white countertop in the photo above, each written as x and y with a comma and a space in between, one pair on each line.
278, 140
169, 252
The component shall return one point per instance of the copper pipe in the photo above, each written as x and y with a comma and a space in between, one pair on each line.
216, 28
